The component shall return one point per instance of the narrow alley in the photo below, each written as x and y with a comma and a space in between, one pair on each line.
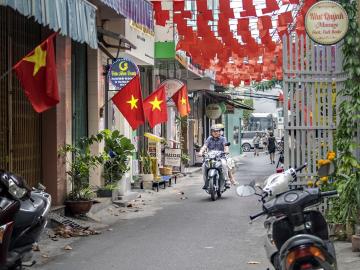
191, 233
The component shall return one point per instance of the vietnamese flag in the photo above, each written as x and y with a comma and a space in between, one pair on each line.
182, 101
155, 107
37, 75
129, 102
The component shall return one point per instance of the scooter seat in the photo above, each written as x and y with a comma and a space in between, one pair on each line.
8, 209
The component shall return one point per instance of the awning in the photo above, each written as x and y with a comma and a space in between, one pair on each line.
74, 18
123, 42
140, 11
220, 97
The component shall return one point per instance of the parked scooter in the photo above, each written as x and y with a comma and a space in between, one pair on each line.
23, 214
296, 238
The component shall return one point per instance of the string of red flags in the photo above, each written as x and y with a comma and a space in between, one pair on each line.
130, 103
245, 38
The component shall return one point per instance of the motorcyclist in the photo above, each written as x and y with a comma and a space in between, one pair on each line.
230, 162
216, 142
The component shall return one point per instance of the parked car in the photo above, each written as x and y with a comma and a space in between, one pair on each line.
247, 140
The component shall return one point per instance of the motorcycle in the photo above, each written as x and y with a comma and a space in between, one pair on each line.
297, 237
23, 214
214, 174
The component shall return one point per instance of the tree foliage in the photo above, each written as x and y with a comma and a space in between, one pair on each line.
267, 85
348, 176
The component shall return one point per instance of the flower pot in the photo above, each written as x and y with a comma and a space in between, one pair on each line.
104, 193
147, 185
355, 243
338, 231
166, 171
147, 177
78, 207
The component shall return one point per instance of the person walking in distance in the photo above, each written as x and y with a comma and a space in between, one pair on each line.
256, 141
271, 147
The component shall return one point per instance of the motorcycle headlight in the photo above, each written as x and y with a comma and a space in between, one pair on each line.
15, 191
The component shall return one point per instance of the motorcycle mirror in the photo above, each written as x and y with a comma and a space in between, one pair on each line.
41, 187
258, 186
245, 190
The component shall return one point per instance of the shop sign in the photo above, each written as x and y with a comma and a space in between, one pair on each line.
326, 22
121, 72
172, 157
171, 87
152, 149
213, 111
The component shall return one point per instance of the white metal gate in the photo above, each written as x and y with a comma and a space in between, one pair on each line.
313, 74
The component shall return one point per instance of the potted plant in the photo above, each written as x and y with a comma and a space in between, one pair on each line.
185, 158
118, 148
145, 167
81, 161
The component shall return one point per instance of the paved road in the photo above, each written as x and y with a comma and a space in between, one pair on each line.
190, 234
194, 233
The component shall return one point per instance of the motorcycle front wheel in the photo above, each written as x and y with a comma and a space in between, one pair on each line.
219, 188
212, 190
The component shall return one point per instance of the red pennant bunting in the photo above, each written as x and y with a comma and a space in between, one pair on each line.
201, 5
285, 18
243, 25
249, 9
208, 15
271, 5
179, 5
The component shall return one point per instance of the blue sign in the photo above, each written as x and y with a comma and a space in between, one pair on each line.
121, 72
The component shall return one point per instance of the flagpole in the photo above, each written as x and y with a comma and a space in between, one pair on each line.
6, 73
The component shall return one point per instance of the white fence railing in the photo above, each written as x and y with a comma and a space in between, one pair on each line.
313, 75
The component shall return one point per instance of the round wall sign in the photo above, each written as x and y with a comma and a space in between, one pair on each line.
326, 22
121, 72
213, 111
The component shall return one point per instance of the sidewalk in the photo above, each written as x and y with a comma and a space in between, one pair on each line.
101, 217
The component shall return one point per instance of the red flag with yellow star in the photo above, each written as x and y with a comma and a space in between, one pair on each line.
129, 102
37, 75
182, 101
155, 107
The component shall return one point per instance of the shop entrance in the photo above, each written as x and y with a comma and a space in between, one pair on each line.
20, 125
